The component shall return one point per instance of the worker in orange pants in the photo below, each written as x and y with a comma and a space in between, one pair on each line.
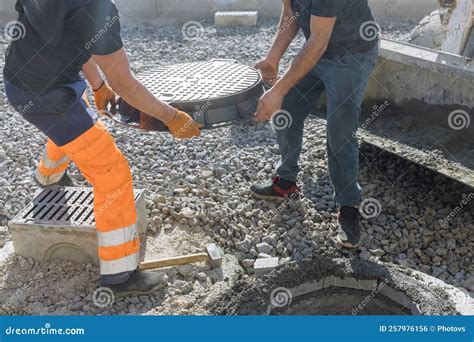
42, 80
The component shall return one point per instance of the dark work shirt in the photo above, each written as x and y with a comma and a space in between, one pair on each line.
59, 37
355, 29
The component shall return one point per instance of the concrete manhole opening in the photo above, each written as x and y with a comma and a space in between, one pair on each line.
324, 286
340, 301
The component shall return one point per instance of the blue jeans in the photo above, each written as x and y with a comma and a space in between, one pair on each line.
344, 78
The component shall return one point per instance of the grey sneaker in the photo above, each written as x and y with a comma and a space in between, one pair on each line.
65, 181
349, 228
140, 283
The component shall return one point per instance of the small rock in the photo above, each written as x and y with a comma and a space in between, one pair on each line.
264, 256
264, 248
187, 213
206, 174
469, 284
185, 270
160, 199
248, 263
184, 286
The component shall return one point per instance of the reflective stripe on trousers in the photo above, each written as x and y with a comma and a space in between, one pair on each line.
119, 249
53, 164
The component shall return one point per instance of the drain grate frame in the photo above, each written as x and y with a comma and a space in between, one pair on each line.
215, 93
60, 207
59, 223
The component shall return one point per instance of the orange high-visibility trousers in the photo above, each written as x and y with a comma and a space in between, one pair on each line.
105, 167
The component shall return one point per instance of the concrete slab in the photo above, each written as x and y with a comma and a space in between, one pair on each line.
226, 19
264, 266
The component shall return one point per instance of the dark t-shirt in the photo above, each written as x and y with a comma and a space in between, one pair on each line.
59, 38
354, 28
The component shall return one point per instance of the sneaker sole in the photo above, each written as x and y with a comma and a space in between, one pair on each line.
346, 245
55, 185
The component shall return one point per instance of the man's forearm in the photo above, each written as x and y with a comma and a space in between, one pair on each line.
138, 96
287, 30
92, 74
306, 59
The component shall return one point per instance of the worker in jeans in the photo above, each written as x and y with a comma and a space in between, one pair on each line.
339, 56
42, 81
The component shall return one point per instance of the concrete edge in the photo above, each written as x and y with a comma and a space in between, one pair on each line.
420, 293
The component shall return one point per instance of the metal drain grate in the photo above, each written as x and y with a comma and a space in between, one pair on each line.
60, 207
213, 92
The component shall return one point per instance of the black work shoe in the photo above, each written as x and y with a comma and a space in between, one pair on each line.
65, 181
276, 191
349, 228
140, 283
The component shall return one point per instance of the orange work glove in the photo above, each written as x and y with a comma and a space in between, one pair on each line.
183, 126
104, 96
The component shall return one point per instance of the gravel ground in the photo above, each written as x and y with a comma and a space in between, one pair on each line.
199, 193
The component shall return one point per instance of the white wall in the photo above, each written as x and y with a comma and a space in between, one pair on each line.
7, 10
182, 10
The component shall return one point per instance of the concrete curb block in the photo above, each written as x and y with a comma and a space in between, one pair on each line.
226, 19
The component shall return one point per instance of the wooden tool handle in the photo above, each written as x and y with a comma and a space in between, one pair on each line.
183, 260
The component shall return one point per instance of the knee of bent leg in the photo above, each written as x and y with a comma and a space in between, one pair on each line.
101, 162
111, 170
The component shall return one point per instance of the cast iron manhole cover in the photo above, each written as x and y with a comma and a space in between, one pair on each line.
214, 93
